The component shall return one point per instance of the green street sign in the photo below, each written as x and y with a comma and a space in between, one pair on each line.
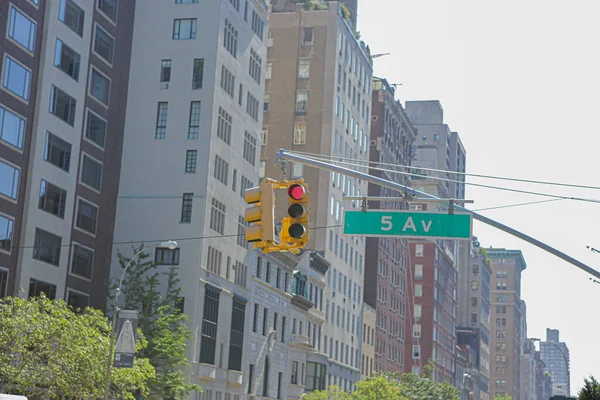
415, 224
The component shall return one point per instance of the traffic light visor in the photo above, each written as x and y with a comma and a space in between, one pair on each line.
296, 191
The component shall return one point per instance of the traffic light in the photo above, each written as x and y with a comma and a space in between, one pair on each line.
297, 230
260, 217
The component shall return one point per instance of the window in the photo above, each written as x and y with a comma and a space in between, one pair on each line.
108, 8
99, 87
165, 71
186, 207
221, 169
208, 342
251, 367
91, 172
67, 59
265, 321
57, 152
36, 288
266, 102
77, 300
104, 45
194, 122
234, 3
241, 94
71, 15
294, 376
255, 66
95, 129
236, 338
418, 272
418, 290
198, 73
301, 102
166, 256
252, 106
418, 250
214, 259
297, 170
474, 285
227, 81
315, 376
307, 36
416, 331
87, 216
52, 199
269, 70
46, 247
241, 239
21, 28
82, 263
62, 105
9, 180
184, 29
283, 325
12, 128
185, 1
303, 69
230, 38
217, 216
3, 283
416, 352
249, 148
265, 136
191, 158
16, 78
299, 133
258, 25
6, 233
262, 169
161, 120
417, 310
224, 126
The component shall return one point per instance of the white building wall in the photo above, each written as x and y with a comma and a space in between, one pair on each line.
153, 178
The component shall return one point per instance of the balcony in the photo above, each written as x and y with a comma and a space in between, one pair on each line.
205, 372
235, 378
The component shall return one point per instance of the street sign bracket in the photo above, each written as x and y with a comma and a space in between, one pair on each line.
364, 205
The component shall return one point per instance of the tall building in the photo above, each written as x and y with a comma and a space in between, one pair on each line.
285, 343
557, 358
193, 132
473, 316
528, 363
392, 136
64, 68
317, 100
505, 312
367, 357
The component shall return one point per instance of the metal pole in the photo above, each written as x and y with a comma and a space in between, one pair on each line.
287, 156
114, 323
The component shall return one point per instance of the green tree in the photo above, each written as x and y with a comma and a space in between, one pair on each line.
377, 387
161, 322
332, 393
49, 351
590, 389
502, 397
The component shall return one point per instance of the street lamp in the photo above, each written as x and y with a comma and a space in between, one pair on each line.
171, 245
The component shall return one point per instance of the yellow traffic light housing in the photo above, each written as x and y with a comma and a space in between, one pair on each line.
297, 231
260, 217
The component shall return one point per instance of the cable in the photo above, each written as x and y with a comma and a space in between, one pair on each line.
517, 205
465, 183
453, 172
162, 240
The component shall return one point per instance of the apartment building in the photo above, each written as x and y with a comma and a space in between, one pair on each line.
391, 140
64, 68
193, 130
369, 320
555, 355
505, 314
317, 100
285, 347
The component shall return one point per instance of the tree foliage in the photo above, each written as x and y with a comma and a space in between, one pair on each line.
590, 389
393, 387
502, 397
49, 351
155, 294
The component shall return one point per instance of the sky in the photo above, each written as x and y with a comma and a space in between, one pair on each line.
520, 82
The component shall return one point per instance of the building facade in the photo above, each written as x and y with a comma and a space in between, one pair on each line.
65, 66
323, 108
505, 314
285, 357
367, 357
556, 357
392, 136
193, 132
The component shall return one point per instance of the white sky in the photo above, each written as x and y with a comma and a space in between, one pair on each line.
520, 82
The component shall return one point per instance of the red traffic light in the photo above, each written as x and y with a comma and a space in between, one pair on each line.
296, 191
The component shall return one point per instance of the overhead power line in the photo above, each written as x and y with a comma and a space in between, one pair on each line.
354, 164
571, 185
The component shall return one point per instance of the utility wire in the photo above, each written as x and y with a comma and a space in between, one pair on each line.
181, 239
353, 164
517, 205
332, 157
